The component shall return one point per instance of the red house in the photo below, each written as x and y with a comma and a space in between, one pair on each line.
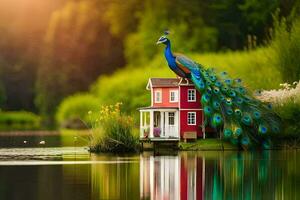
175, 112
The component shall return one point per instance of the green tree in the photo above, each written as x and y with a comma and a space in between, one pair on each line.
190, 32
197, 25
286, 46
78, 47
22, 26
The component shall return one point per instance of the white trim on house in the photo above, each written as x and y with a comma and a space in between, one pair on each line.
152, 96
187, 82
175, 92
195, 120
149, 87
195, 95
157, 91
149, 84
159, 109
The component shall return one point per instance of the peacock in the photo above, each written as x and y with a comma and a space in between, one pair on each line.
227, 105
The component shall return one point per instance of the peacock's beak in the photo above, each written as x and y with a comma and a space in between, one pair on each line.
162, 39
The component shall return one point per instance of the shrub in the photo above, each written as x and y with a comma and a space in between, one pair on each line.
113, 131
73, 110
19, 120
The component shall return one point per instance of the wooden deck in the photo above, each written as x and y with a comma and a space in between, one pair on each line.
157, 143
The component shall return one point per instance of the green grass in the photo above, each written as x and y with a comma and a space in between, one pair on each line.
207, 144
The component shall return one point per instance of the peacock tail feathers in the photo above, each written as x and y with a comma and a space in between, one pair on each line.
227, 104
230, 108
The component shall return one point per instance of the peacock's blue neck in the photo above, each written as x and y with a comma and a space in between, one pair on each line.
169, 56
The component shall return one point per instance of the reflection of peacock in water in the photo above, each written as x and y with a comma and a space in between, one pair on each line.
227, 105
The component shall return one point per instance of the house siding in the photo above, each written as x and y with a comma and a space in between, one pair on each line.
184, 127
165, 97
184, 103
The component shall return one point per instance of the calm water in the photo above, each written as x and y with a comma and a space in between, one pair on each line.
72, 173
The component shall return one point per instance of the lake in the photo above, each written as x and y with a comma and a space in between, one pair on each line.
57, 171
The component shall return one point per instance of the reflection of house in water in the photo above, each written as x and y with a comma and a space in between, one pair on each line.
172, 177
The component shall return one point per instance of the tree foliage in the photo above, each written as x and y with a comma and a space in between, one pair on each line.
197, 25
78, 47
286, 46
73, 110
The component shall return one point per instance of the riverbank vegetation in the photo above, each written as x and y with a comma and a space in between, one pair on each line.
113, 131
20, 120
286, 102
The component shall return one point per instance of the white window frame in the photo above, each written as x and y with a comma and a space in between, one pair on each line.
175, 92
172, 117
155, 96
188, 119
195, 95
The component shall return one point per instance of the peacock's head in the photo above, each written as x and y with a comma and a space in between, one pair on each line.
163, 39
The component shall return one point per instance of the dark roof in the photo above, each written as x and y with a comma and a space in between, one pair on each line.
167, 82
164, 82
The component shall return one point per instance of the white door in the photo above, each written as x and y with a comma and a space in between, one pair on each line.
171, 124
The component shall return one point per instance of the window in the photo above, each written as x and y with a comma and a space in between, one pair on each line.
158, 96
174, 96
191, 95
191, 118
171, 118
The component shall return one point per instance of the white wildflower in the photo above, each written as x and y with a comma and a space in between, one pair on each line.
278, 96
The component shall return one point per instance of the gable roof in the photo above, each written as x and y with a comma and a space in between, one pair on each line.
166, 82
